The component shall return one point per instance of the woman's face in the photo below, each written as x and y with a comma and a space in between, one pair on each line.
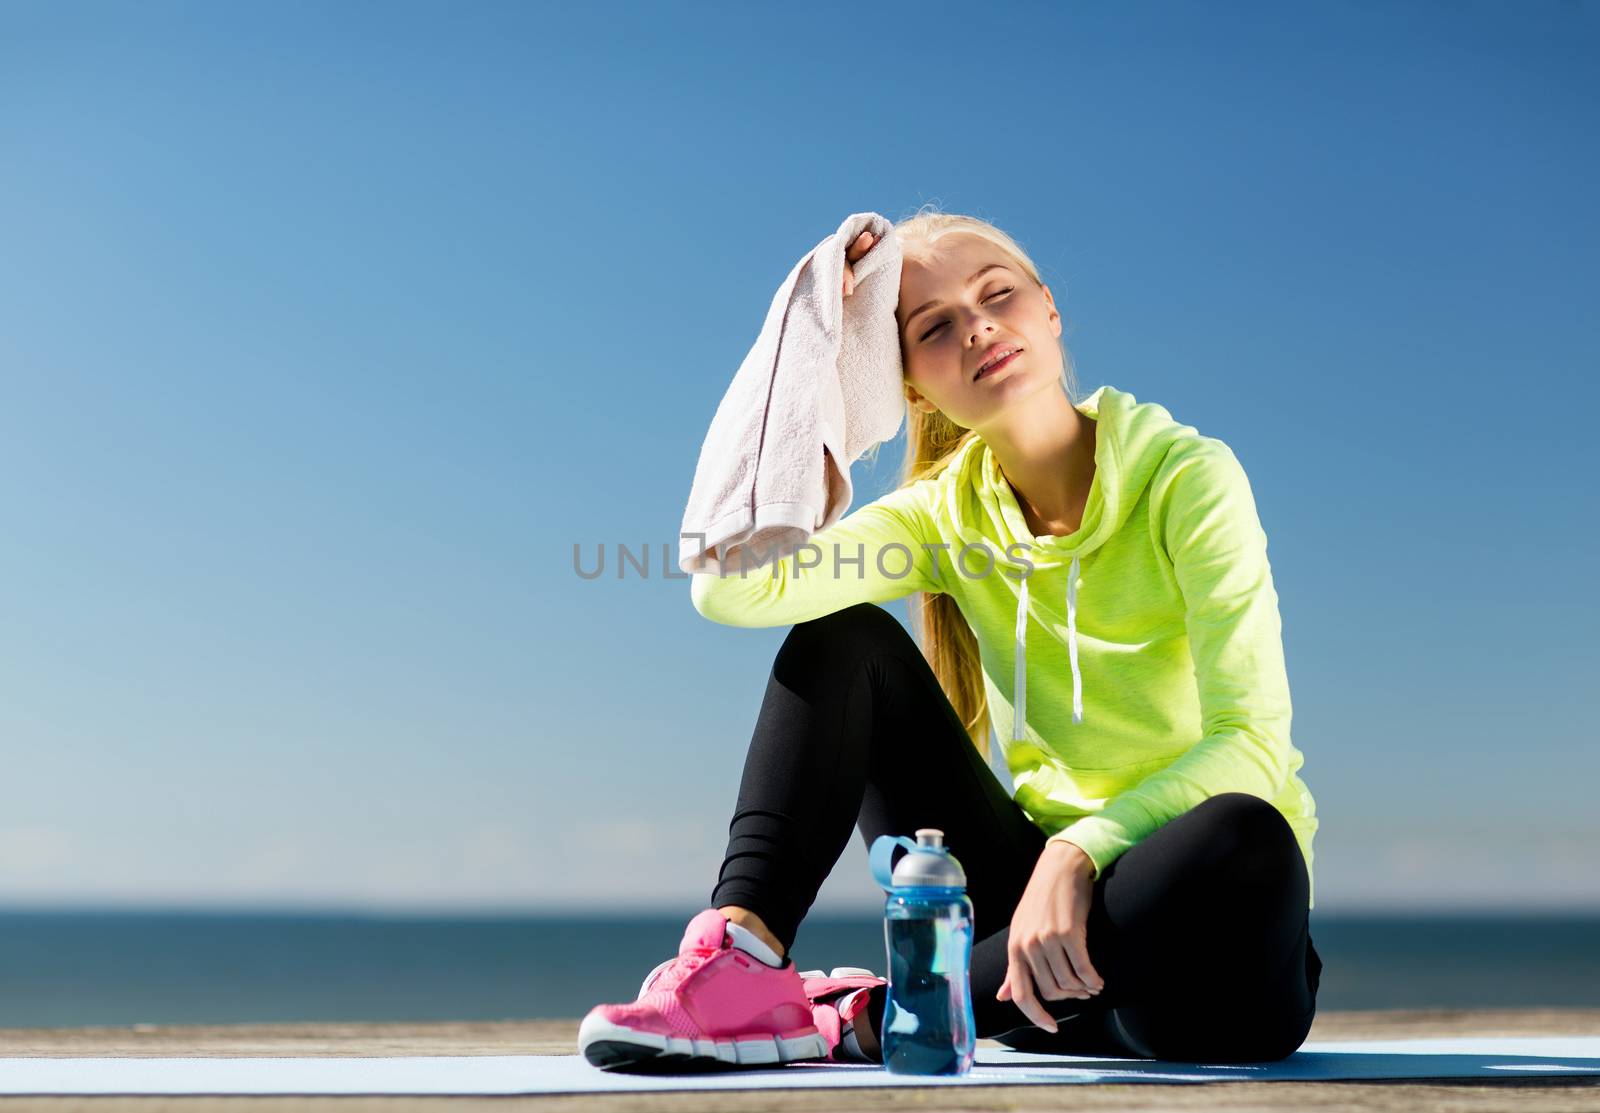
944, 345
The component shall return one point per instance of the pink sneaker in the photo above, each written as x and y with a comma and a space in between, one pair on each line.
712, 1005
837, 1000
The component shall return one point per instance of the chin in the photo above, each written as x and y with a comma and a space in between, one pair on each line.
1022, 381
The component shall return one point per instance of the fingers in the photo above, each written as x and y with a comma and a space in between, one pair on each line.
1044, 978
858, 247
1049, 971
1021, 984
1069, 963
1059, 969
1078, 952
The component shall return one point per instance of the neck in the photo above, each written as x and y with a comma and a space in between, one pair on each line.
1046, 452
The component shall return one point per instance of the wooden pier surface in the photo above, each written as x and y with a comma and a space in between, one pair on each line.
556, 1037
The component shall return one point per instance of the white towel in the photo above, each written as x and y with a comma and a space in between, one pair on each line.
821, 385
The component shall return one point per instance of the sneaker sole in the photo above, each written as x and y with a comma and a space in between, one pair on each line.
615, 1047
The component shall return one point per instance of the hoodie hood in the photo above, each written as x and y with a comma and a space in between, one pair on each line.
1131, 440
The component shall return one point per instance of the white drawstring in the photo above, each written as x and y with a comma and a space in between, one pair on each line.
1019, 680
1072, 640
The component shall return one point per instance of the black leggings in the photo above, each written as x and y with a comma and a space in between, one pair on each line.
1200, 932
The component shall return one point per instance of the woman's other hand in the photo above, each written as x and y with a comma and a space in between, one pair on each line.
1048, 945
852, 255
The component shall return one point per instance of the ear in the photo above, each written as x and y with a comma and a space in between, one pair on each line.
917, 402
1055, 315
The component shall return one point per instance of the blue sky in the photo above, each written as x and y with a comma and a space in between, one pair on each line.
326, 331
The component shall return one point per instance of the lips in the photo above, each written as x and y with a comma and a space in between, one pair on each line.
996, 358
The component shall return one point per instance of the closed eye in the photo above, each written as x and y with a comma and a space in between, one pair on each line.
991, 297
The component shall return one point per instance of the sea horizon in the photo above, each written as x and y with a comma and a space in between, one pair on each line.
75, 966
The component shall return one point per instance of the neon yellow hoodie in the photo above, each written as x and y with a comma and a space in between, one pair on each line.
1157, 677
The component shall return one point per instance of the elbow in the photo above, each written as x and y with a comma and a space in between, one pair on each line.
1251, 752
732, 600
1274, 755
700, 595
708, 600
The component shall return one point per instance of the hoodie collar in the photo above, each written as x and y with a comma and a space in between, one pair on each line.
1130, 440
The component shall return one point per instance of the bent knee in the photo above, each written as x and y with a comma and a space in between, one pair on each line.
1259, 842
864, 625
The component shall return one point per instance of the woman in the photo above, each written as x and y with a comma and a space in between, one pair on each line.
1146, 889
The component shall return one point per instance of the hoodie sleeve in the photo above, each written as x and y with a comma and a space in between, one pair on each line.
883, 551
1213, 536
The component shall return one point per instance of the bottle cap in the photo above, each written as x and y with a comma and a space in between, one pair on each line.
929, 863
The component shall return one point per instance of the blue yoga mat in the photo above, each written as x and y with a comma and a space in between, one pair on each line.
1522, 1057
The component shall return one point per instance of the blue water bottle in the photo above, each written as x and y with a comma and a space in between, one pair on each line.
927, 926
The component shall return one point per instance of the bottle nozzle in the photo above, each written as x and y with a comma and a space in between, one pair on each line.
930, 836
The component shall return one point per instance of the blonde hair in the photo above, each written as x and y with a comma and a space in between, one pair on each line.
932, 442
